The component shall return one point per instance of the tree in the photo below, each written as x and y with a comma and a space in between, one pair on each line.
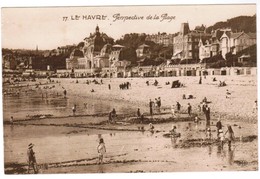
80, 45
128, 54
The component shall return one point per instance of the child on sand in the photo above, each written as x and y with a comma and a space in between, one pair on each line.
151, 127
101, 150
196, 119
208, 133
11, 120
74, 109
173, 110
173, 130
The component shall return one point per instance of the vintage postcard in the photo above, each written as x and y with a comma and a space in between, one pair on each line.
127, 89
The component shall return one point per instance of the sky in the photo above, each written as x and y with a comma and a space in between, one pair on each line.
26, 28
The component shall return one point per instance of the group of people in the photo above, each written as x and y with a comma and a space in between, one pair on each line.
221, 136
222, 83
125, 85
155, 105
229, 134
94, 81
155, 83
101, 149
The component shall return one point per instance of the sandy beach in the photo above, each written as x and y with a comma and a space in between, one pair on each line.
67, 144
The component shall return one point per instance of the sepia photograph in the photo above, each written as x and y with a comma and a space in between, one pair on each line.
129, 89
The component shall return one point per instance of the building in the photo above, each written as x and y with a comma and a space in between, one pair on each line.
244, 59
64, 49
236, 42
143, 51
94, 55
204, 49
73, 61
210, 47
115, 57
161, 38
186, 43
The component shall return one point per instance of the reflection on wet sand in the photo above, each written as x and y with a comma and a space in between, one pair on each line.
231, 156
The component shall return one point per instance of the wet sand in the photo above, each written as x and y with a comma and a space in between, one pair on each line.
67, 144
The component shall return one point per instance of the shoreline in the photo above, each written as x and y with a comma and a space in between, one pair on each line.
137, 95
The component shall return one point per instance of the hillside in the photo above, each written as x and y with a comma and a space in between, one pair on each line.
240, 23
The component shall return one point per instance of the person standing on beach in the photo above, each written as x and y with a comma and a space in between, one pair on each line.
74, 109
101, 149
138, 113
178, 106
109, 86
65, 93
208, 133
204, 105
207, 114
230, 136
159, 102
151, 107
219, 126
200, 81
113, 113
31, 159
189, 109
11, 120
